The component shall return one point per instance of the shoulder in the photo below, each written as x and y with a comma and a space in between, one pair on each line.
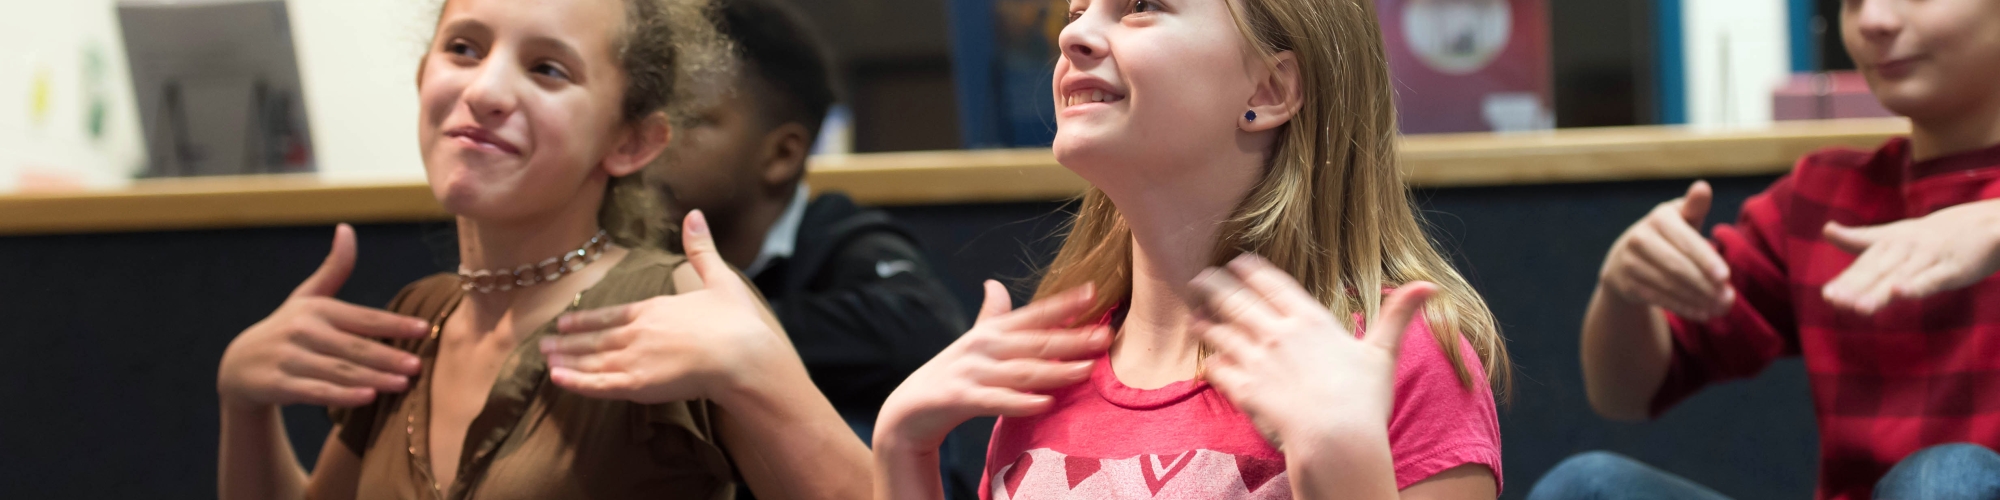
427, 297
1439, 422
1829, 169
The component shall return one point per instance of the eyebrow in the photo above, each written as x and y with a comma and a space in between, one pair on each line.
563, 50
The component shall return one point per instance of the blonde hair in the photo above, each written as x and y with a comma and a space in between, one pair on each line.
1332, 208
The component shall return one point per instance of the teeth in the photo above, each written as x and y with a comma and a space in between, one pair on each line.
1096, 96
1081, 97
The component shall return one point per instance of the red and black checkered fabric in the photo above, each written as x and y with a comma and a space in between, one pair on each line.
1917, 373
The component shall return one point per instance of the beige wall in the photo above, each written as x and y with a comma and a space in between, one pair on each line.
357, 58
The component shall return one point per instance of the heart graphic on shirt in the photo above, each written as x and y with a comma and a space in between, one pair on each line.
1158, 472
1077, 469
1256, 471
1012, 481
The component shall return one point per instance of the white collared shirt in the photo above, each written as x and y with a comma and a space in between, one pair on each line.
783, 239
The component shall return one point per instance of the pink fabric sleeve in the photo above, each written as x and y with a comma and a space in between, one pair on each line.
1439, 423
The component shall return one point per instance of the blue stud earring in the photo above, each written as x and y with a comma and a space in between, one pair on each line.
1250, 115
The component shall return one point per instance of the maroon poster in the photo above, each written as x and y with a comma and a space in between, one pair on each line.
1469, 65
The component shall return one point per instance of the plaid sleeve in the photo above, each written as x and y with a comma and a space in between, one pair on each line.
1759, 328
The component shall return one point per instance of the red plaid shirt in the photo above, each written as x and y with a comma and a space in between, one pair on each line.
1918, 373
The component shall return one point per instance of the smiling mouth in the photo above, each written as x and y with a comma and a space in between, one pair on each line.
479, 138
1089, 96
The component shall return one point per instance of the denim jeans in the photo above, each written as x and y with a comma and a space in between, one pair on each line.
1956, 471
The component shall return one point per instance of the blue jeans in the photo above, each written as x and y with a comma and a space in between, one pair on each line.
1943, 472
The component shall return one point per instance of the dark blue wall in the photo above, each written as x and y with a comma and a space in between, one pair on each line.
112, 340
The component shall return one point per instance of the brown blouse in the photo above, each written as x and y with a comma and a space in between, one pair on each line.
533, 439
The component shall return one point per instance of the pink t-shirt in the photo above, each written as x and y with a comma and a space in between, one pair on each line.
1103, 439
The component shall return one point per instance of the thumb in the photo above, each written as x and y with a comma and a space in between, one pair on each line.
997, 301
716, 274
334, 270
1853, 240
1694, 208
1398, 310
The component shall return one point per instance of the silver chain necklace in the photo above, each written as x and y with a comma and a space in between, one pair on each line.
527, 275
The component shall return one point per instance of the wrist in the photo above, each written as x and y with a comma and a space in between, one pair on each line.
233, 406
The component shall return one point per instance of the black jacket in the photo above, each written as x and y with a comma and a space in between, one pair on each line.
860, 302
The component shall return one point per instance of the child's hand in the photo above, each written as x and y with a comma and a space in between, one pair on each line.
1283, 358
693, 345
1946, 250
995, 368
318, 350
1663, 261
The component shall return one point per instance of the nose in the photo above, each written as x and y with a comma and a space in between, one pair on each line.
491, 95
1878, 20
1083, 39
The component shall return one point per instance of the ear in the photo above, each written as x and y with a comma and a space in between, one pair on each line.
1278, 95
784, 154
639, 146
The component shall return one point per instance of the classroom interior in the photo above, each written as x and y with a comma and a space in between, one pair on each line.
127, 279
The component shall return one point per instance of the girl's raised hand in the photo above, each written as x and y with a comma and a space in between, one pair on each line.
708, 343
995, 368
316, 349
1284, 359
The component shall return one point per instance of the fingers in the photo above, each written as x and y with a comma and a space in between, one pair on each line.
332, 272
1393, 319
1687, 287
716, 274
997, 301
360, 350
1942, 276
342, 373
1227, 340
604, 385
1694, 207
1031, 374
1007, 402
1853, 240
1654, 287
320, 392
1694, 248
1227, 300
600, 319
1078, 343
1282, 293
1864, 279
586, 343
369, 322
1053, 312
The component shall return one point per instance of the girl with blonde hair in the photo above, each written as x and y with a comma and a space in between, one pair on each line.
1215, 325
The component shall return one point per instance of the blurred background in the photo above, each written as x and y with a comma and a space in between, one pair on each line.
169, 170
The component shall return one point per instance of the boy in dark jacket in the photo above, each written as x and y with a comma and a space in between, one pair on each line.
852, 288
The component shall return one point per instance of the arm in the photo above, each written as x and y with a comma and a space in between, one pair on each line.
1626, 347
255, 459
786, 438
994, 369
1660, 262
313, 349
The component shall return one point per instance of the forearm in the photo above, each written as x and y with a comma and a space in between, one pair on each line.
788, 440
904, 470
1347, 464
1626, 347
255, 459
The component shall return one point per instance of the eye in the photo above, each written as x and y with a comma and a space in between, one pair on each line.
550, 70
1139, 6
1072, 17
461, 48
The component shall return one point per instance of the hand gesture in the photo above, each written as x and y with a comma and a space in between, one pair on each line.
1946, 250
1285, 360
693, 345
996, 367
1663, 261
318, 350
